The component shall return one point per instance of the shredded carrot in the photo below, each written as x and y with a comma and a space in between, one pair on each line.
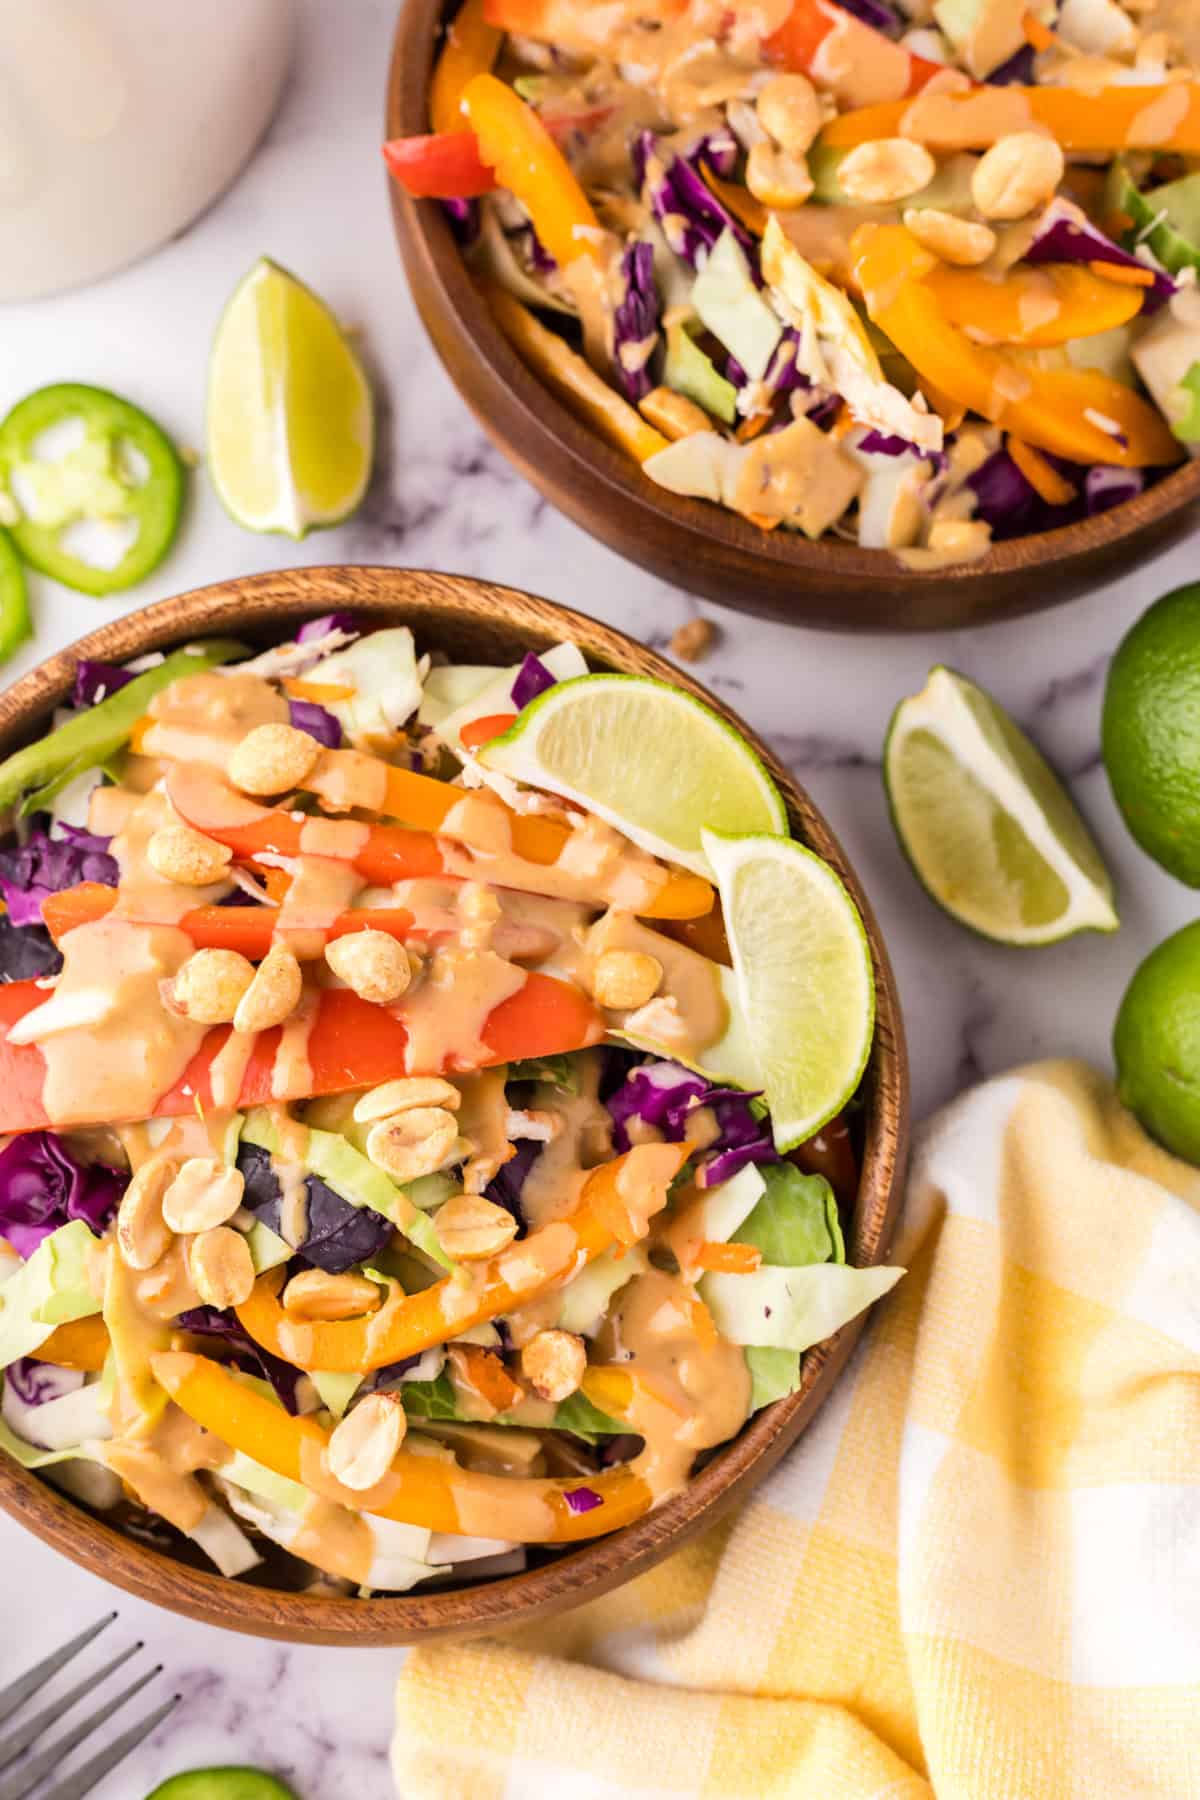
703, 1325
482, 731
1039, 35
320, 691
750, 428
276, 881
762, 520
484, 1373
728, 1259
1124, 274
739, 201
1041, 474
137, 736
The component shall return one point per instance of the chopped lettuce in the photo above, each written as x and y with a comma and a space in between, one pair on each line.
774, 1374
50, 1289
731, 306
561, 1072
382, 670
437, 1400
789, 1308
336, 1390
790, 1223
584, 1300
689, 371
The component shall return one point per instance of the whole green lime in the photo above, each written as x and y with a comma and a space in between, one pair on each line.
1156, 1044
1150, 731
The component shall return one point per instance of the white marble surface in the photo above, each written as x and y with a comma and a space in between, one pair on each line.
314, 199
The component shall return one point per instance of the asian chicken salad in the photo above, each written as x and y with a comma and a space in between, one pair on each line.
914, 273
430, 1102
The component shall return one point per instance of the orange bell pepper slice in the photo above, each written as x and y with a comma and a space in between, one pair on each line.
572, 378
410, 1323
248, 929
419, 1490
514, 142
83, 1344
1059, 410
1165, 116
470, 48
351, 1044
383, 854
482, 731
1054, 304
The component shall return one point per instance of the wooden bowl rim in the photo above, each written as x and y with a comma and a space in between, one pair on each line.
419, 597
425, 236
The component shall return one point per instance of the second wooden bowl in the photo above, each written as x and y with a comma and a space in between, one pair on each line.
473, 621
695, 545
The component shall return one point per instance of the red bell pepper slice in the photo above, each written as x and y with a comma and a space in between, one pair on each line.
445, 165
352, 1044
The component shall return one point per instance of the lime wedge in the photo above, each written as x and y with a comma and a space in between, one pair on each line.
643, 756
986, 823
290, 427
804, 975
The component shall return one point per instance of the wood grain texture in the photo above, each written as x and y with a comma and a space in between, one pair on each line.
695, 545
480, 622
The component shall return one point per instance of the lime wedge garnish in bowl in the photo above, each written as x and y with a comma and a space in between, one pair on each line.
988, 827
290, 425
646, 758
804, 976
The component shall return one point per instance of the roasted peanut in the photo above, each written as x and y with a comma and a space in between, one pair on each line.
315, 1294
204, 1194
364, 1445
787, 108
470, 1228
210, 985
373, 964
272, 758
187, 857
221, 1267
693, 640
273, 995
963, 242
402, 1095
1019, 172
410, 1144
554, 1363
143, 1235
625, 978
884, 170
776, 177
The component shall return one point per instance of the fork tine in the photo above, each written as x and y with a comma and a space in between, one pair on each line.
75, 1786
25, 1733
18, 1691
22, 1780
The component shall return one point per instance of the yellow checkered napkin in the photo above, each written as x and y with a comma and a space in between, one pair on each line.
978, 1575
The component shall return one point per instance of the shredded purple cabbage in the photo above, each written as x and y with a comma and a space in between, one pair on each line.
244, 1353
876, 14
94, 681
636, 320
531, 679
1014, 508
463, 218
334, 621
45, 865
43, 1186
35, 1382
582, 1499
531, 250
666, 1096
339, 1235
504, 1189
26, 952
882, 443
1018, 71
1104, 487
691, 216
319, 723
1065, 234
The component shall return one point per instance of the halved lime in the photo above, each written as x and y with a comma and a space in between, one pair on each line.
985, 821
804, 974
644, 756
290, 426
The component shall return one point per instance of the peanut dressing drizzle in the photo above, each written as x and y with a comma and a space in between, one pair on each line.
321, 889
446, 1011
203, 718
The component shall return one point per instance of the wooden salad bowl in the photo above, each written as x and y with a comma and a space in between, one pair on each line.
696, 545
479, 622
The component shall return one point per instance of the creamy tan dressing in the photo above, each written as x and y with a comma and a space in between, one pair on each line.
203, 718
161, 1466
948, 121
483, 1123
596, 864
345, 779
337, 1540
227, 1070
445, 1013
690, 1002
143, 894
321, 889
531, 927
291, 1072
554, 1184
858, 77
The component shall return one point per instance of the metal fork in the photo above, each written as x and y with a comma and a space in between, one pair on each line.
43, 1763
